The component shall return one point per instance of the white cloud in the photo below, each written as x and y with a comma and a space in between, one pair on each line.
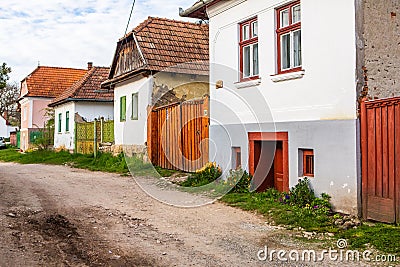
70, 33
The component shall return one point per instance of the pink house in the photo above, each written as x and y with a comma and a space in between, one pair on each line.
38, 89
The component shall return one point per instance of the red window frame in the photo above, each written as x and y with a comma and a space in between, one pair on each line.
281, 31
238, 157
242, 43
308, 162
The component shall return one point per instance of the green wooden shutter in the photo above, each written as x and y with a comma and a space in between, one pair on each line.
135, 108
123, 108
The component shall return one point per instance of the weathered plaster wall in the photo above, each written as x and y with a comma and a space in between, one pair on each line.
382, 47
169, 87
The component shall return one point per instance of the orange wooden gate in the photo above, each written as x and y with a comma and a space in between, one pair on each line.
380, 148
178, 135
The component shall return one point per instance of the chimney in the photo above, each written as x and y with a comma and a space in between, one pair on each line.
89, 65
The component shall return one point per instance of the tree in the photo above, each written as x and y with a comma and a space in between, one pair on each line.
9, 93
4, 71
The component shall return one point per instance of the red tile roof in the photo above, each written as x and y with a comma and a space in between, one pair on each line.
166, 43
87, 88
51, 81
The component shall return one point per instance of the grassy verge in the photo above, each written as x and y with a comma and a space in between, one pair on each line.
383, 237
103, 162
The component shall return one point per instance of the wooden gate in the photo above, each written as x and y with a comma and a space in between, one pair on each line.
178, 135
380, 149
85, 141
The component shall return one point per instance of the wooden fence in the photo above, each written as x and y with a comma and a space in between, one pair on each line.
178, 135
380, 149
88, 135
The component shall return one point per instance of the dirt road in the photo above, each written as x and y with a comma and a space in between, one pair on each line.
60, 216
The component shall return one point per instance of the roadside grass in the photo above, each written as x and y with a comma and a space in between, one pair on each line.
383, 237
103, 162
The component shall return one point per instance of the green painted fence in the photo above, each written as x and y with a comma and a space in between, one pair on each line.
88, 135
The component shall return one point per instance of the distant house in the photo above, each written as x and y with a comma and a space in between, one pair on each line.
6, 128
158, 63
83, 101
38, 89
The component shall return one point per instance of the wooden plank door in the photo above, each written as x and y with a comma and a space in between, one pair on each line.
380, 148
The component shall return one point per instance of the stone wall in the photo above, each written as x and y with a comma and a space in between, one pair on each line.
381, 40
139, 151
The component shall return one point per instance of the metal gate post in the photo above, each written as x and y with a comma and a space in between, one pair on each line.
95, 138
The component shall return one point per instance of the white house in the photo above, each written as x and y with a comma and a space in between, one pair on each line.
6, 128
157, 63
288, 105
83, 101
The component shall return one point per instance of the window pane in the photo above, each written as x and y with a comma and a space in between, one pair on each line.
296, 14
285, 51
255, 59
284, 18
246, 61
59, 122
67, 121
246, 32
297, 48
135, 106
254, 29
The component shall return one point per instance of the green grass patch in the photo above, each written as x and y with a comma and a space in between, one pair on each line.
268, 204
103, 162
384, 237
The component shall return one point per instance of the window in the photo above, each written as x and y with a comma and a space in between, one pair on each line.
122, 108
135, 108
249, 66
308, 162
67, 121
289, 38
59, 122
237, 158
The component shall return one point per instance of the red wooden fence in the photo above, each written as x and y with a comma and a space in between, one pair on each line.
177, 135
380, 148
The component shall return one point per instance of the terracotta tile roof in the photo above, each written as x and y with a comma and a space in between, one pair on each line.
166, 43
51, 81
87, 88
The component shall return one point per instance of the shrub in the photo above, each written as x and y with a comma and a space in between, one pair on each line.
209, 173
239, 180
302, 196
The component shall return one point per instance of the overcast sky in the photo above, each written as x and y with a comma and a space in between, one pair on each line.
70, 33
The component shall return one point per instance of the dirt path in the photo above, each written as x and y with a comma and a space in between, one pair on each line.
60, 216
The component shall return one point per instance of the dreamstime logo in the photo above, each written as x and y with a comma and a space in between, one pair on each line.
174, 142
309, 255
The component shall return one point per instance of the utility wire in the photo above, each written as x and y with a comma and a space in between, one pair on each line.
130, 15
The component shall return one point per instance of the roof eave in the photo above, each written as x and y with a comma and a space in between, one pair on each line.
198, 10
124, 77
66, 100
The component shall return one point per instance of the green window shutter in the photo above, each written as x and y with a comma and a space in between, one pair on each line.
123, 108
135, 108
59, 122
67, 121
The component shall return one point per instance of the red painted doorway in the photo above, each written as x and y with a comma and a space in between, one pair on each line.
268, 160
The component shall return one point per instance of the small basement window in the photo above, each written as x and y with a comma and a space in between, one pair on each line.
306, 157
